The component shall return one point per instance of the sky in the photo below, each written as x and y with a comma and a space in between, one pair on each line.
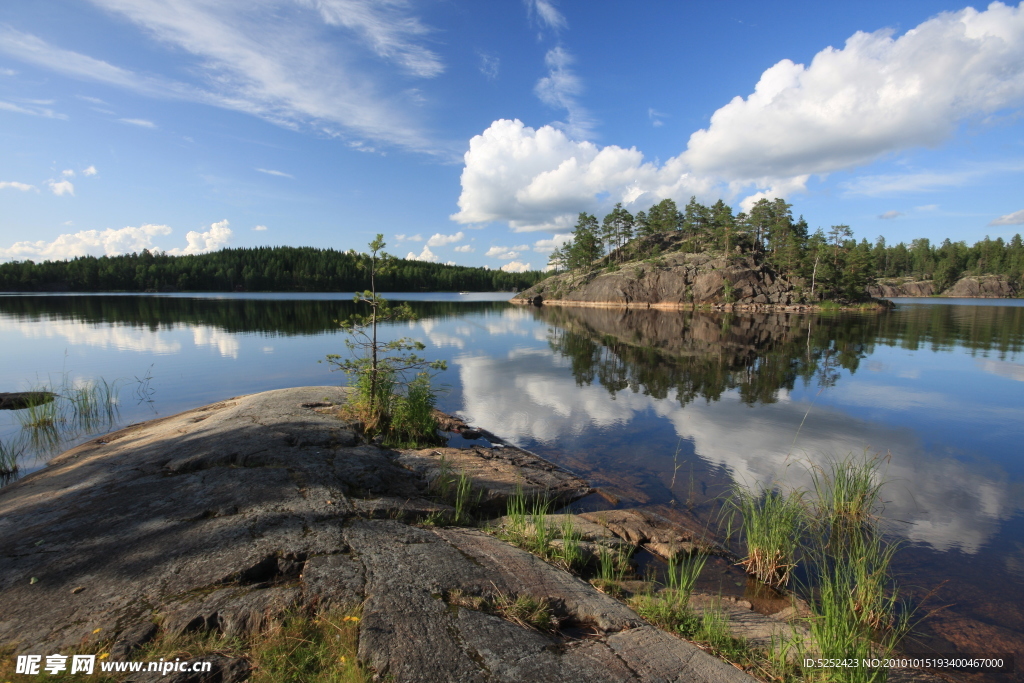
475, 132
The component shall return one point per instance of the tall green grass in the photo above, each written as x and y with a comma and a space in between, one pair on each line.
771, 523
669, 608
683, 571
856, 613
412, 414
853, 595
847, 492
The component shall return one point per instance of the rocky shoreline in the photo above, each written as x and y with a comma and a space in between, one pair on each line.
740, 308
970, 287
226, 517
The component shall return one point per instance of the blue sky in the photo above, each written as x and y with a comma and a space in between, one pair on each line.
474, 132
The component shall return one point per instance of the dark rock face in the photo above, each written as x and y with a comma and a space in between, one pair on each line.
985, 287
672, 281
224, 517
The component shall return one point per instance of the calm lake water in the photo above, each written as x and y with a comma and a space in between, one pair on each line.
656, 408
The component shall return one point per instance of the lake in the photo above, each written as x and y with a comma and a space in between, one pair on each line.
659, 409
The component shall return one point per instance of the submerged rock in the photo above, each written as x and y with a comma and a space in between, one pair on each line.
20, 400
224, 517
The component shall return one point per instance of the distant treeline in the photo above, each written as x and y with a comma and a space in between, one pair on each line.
260, 269
838, 264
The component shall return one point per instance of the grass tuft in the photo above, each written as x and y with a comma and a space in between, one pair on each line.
525, 610
456, 489
771, 524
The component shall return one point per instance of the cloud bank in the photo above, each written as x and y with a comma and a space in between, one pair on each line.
111, 242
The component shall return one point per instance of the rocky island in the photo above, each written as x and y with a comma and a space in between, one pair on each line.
676, 279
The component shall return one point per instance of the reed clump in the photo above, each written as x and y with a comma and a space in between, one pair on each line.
772, 524
53, 414
835, 534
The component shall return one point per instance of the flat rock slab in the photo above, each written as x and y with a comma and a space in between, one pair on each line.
226, 516
498, 473
652, 531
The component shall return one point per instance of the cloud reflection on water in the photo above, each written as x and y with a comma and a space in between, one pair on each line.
947, 502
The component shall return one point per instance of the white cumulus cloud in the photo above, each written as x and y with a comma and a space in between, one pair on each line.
547, 246
425, 255
876, 95
541, 179
439, 240
69, 173
1015, 218
503, 253
889, 215
107, 242
217, 237
515, 267
89, 171
61, 187
260, 228
409, 238
465, 249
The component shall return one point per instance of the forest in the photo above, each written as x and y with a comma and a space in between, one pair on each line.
260, 269
840, 265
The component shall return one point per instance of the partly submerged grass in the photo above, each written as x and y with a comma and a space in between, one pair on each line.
847, 492
772, 524
856, 611
54, 415
847, 578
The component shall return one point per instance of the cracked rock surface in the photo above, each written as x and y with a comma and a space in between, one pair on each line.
226, 516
